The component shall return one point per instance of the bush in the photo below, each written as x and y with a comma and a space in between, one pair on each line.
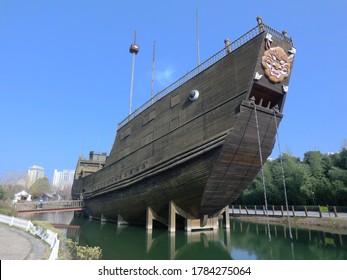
83, 252
6, 209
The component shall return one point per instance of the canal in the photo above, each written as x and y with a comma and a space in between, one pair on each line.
243, 241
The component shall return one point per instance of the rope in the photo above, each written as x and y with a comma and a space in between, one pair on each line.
262, 171
283, 177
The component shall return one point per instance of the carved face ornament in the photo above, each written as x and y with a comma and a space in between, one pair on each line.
276, 64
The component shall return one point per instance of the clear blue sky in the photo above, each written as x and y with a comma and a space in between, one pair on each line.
65, 69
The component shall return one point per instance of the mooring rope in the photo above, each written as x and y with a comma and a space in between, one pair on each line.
262, 171
275, 109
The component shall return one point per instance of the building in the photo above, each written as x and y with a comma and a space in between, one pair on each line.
34, 173
63, 179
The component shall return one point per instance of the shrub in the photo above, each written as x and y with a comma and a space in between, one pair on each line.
78, 252
6, 209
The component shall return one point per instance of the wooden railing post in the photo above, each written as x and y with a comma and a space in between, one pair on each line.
335, 212
293, 210
305, 208
282, 210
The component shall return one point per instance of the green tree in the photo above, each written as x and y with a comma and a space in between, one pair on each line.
3, 195
319, 179
40, 187
340, 159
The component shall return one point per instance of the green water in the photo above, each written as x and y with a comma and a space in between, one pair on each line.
243, 241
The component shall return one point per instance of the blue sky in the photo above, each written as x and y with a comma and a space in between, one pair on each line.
65, 69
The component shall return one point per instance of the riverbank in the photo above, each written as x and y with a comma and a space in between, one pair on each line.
332, 225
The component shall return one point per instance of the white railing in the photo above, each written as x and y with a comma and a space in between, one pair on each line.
48, 205
47, 235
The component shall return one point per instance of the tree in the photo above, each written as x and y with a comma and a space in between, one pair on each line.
340, 159
40, 187
319, 179
3, 195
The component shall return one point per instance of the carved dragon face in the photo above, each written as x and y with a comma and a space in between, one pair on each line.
276, 64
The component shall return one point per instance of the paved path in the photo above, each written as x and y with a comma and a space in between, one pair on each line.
16, 244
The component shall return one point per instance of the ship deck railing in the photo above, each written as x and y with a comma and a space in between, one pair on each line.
209, 62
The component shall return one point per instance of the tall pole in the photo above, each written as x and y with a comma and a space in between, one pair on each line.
134, 49
197, 35
153, 64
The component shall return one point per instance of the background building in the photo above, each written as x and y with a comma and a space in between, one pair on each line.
63, 180
34, 173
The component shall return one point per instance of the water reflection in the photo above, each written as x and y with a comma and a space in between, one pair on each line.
242, 241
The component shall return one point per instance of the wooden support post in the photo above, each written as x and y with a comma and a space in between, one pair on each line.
264, 210
240, 209
293, 210
305, 208
282, 211
255, 209
149, 219
232, 209
246, 210
273, 210
335, 212
172, 217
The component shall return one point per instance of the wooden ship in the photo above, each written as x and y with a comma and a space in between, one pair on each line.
194, 147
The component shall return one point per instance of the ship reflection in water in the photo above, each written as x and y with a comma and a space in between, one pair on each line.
242, 241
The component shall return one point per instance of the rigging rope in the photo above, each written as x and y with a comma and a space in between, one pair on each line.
275, 109
262, 171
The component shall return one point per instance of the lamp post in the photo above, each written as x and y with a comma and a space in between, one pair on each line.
134, 49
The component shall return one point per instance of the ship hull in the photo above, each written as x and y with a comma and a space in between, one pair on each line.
200, 182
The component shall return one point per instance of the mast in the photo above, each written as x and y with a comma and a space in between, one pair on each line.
153, 64
197, 35
134, 49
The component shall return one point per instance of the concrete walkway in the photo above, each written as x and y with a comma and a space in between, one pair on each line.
16, 244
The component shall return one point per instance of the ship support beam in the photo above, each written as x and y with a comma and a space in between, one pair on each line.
121, 221
190, 222
195, 224
172, 217
226, 216
151, 216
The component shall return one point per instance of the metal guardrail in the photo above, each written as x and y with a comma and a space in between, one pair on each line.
47, 235
207, 63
